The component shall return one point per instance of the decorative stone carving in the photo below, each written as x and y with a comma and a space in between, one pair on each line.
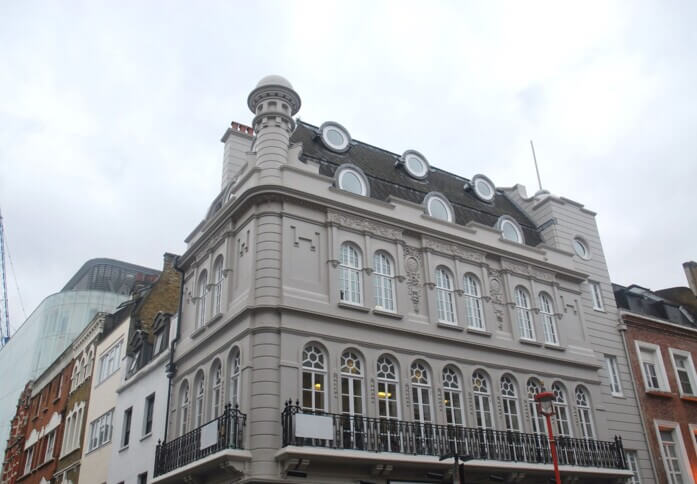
527, 270
312, 240
496, 295
364, 225
413, 260
454, 249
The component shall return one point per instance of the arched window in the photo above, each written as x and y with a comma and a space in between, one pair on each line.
90, 363
537, 420
350, 266
421, 392
351, 384
388, 388
549, 324
482, 400
561, 409
314, 379
510, 230
509, 399
444, 296
74, 377
584, 413
218, 281
438, 207
83, 369
452, 397
201, 293
234, 378
216, 389
473, 302
184, 408
351, 179
522, 309
384, 281
200, 388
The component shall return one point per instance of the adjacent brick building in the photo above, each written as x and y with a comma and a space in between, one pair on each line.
15, 444
661, 340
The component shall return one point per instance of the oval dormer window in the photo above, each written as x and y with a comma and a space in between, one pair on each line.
581, 248
483, 188
351, 179
510, 230
438, 207
415, 164
335, 137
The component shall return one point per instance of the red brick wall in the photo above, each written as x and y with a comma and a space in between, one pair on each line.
15, 443
667, 406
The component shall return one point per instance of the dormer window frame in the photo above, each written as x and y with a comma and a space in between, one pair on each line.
476, 182
439, 197
418, 157
325, 132
506, 220
347, 168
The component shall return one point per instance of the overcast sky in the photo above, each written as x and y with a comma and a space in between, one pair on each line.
111, 114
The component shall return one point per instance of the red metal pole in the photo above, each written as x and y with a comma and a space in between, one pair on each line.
553, 447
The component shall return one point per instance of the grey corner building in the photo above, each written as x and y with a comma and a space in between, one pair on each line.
352, 314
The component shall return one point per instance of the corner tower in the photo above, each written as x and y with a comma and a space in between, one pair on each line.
274, 103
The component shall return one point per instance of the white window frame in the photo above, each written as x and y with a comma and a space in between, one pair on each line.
692, 375
596, 295
473, 302
662, 376
421, 393
148, 399
446, 204
384, 281
29, 459
445, 296
352, 375
482, 404
526, 323
235, 369
452, 397
510, 404
349, 274
218, 276
201, 295
101, 431
549, 319
585, 414
505, 219
358, 173
613, 373
681, 452
318, 376
50, 446
633, 465
110, 361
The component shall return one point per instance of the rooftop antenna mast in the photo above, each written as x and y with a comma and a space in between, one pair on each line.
537, 170
4, 312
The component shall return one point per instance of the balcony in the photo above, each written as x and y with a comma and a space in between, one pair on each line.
202, 445
487, 448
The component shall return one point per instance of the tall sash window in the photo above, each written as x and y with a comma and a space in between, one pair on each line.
537, 420
482, 400
444, 296
473, 303
509, 400
350, 275
384, 282
522, 309
314, 379
452, 397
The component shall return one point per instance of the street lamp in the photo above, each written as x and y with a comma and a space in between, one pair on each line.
545, 405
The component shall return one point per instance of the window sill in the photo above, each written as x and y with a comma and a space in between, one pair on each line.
482, 332
146, 436
217, 317
452, 326
599, 310
689, 398
660, 393
355, 307
618, 395
389, 314
530, 342
197, 331
552, 346
124, 448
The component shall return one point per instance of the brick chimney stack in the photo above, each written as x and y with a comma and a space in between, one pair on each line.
691, 274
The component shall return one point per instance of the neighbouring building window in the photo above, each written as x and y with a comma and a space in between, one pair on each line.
388, 388
314, 379
126, 431
143, 478
652, 367
473, 302
509, 400
522, 303
561, 410
29, 458
444, 296
633, 464
184, 408
549, 322
537, 420
350, 275
597, 296
452, 397
584, 413
100, 431
200, 388
482, 400
351, 384
384, 282
685, 371
109, 362
421, 393
148, 414
672, 452
50, 444
216, 389
235, 378
218, 287
201, 294
614, 375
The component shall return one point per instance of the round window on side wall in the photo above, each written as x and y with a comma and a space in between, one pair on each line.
510, 230
437, 206
415, 164
483, 188
335, 137
352, 179
581, 248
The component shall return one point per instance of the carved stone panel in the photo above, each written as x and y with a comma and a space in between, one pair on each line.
364, 225
454, 249
413, 262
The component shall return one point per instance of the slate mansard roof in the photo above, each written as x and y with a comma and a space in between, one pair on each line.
643, 301
387, 179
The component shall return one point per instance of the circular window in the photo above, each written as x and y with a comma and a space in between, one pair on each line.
415, 164
351, 180
335, 137
510, 230
483, 188
438, 208
581, 248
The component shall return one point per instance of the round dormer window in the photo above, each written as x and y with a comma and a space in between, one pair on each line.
581, 248
335, 137
415, 164
483, 188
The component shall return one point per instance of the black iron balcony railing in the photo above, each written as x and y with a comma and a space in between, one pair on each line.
224, 432
357, 432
